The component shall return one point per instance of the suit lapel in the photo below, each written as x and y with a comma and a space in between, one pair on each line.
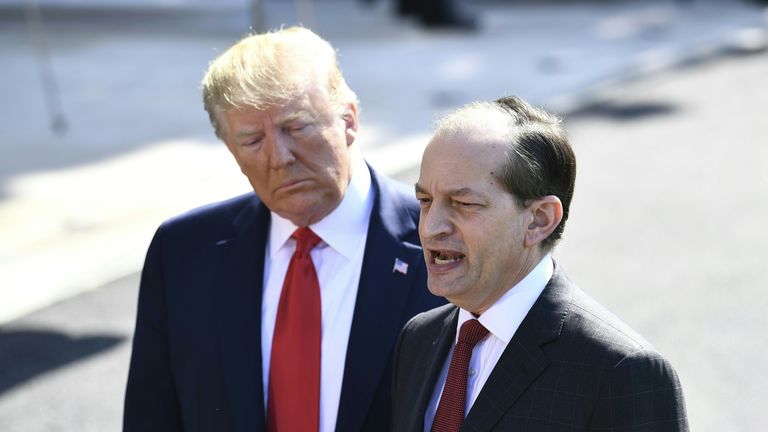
433, 357
523, 360
380, 304
238, 293
519, 365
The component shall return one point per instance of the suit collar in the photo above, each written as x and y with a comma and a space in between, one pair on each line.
390, 209
523, 360
381, 301
240, 274
434, 353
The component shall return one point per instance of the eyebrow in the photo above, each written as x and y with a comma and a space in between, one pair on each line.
296, 115
302, 115
449, 192
247, 132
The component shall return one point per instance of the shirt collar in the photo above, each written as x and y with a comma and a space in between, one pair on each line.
346, 226
504, 317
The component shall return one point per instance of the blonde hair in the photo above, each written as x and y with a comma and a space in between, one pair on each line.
271, 68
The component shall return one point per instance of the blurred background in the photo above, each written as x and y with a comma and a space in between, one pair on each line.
103, 136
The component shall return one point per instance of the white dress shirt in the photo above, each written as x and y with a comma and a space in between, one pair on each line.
502, 320
338, 260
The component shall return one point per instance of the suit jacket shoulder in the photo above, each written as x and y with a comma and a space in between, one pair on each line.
597, 328
617, 379
213, 220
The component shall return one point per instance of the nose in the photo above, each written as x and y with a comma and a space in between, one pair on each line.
434, 222
280, 153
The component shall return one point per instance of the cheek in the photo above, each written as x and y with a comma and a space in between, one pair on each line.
490, 241
508, 246
332, 143
255, 170
250, 169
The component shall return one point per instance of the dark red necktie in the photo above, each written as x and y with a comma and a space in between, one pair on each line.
450, 411
293, 403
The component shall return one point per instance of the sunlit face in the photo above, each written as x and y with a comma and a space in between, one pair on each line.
471, 228
296, 155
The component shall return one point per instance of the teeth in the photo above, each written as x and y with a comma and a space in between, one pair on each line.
442, 258
445, 261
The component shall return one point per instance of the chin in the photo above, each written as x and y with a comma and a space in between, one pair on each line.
300, 213
433, 287
443, 289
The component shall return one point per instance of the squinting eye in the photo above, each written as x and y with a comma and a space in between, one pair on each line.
297, 127
253, 145
424, 201
465, 204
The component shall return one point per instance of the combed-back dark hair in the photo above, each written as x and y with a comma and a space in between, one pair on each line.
540, 160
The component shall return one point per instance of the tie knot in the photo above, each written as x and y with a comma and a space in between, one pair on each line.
306, 240
472, 332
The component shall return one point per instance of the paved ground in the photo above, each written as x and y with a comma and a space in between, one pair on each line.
670, 196
674, 203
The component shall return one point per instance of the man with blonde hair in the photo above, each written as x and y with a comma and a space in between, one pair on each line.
278, 310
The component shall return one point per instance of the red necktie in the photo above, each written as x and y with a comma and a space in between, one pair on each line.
293, 403
450, 411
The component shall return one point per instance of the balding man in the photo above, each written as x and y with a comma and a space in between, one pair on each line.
279, 310
520, 348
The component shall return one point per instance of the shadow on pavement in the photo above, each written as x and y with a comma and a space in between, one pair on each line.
624, 112
25, 354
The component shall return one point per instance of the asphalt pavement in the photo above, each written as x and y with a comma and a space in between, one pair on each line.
665, 103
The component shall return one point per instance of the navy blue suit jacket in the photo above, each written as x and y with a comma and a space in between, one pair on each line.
196, 362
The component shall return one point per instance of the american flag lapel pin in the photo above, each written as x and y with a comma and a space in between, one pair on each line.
400, 266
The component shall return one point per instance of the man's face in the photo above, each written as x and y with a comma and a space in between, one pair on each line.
295, 155
471, 228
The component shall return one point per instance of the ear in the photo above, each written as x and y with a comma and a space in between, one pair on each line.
546, 214
350, 122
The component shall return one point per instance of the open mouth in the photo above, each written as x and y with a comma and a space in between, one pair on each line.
446, 257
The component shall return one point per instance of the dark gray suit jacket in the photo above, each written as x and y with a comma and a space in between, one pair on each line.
571, 366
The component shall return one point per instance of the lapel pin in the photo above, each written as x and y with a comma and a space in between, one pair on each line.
400, 266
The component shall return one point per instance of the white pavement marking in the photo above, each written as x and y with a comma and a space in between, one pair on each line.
71, 230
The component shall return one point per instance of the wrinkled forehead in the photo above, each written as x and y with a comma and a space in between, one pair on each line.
292, 86
465, 153
301, 102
